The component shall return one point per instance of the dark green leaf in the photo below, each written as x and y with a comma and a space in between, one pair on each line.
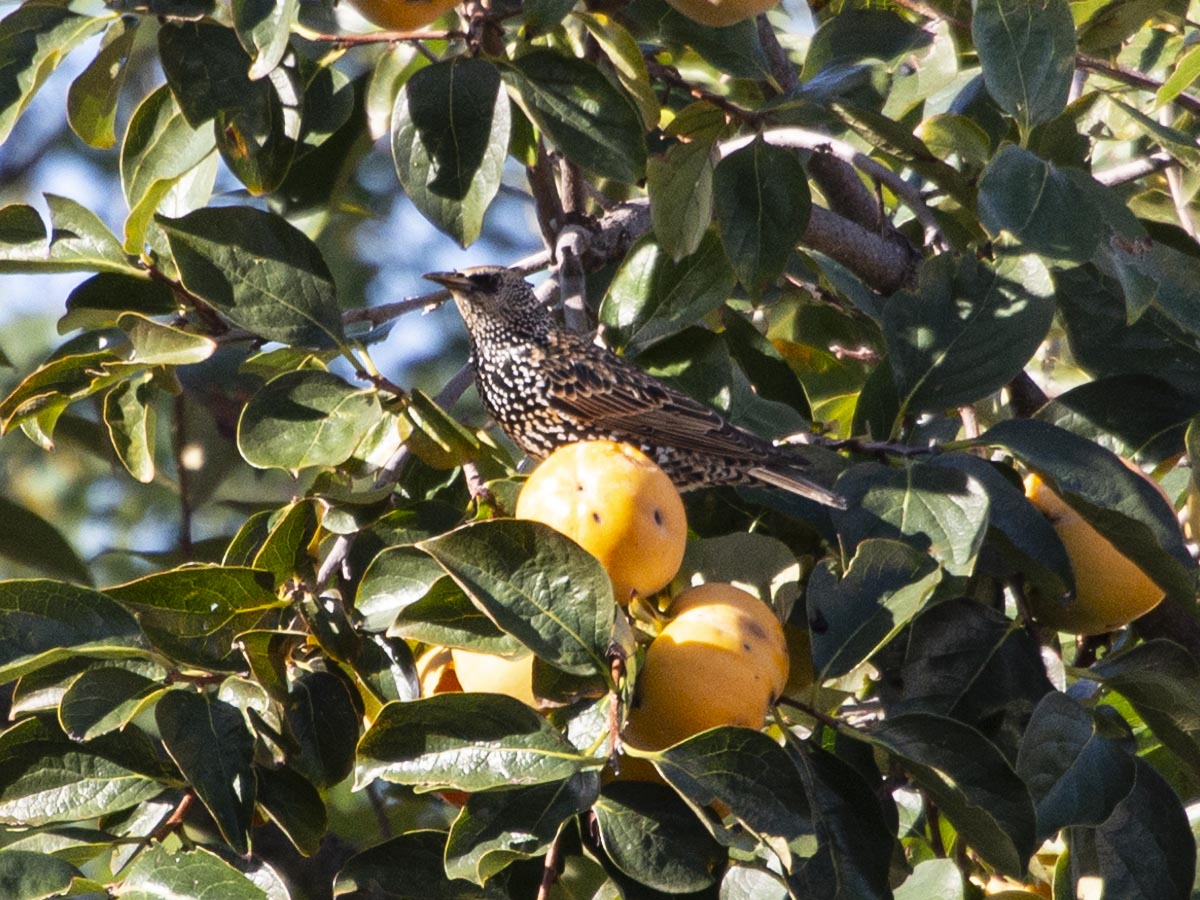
193, 614
850, 617
467, 742
157, 344
396, 577
209, 741
292, 803
1144, 850
196, 874
129, 417
970, 662
734, 49
445, 616
449, 140
537, 585
580, 111
1040, 205
1076, 774
261, 272
651, 297
408, 867
206, 67
1027, 50
25, 875
27, 538
497, 828
1122, 505
92, 98
762, 203
258, 139
941, 511
856, 842
99, 301
323, 719
305, 418
34, 40
1162, 681
103, 699
42, 622
970, 781
680, 185
159, 150
970, 329
756, 563
655, 839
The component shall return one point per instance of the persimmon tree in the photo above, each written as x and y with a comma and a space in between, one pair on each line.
957, 241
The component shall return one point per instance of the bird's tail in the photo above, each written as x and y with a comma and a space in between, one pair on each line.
791, 480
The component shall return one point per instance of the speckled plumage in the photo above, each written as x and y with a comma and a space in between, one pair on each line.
546, 386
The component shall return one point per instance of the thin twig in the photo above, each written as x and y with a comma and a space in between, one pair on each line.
550, 868
343, 41
1135, 169
1133, 78
1175, 186
782, 69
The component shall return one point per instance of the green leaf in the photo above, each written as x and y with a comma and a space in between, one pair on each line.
25, 875
655, 839
1122, 505
763, 203
537, 585
748, 772
626, 58
103, 699
582, 114
970, 781
258, 138
99, 301
497, 828
680, 185
206, 67
434, 436
27, 538
734, 49
1185, 73
1162, 681
940, 511
156, 344
263, 27
1040, 205
933, 879
258, 270
1144, 850
851, 617
79, 241
284, 551
196, 874
305, 418
1076, 774
43, 622
293, 804
45, 777
450, 132
651, 297
209, 741
54, 385
1027, 50
193, 614
466, 742
34, 40
396, 577
445, 616
411, 866
92, 97
969, 331
160, 148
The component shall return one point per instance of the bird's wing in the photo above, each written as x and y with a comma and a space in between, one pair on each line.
613, 395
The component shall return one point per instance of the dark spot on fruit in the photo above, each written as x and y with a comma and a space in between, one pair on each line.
596, 517
579, 487
658, 517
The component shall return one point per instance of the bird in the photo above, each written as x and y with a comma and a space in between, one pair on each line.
545, 386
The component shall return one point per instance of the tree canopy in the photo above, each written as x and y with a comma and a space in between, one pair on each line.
953, 245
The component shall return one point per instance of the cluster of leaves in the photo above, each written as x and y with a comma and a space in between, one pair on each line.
187, 732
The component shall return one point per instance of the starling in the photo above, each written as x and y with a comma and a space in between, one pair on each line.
547, 386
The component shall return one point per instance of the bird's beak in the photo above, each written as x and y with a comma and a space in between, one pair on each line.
448, 280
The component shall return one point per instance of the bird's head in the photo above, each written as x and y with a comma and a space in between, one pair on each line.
492, 298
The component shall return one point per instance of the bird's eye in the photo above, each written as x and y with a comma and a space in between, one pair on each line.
488, 282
